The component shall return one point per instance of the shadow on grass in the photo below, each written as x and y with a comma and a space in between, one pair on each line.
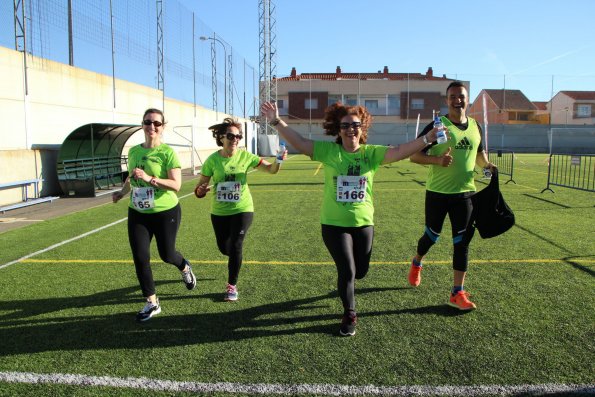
32, 326
571, 260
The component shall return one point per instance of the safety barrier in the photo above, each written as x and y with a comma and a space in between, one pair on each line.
504, 160
575, 171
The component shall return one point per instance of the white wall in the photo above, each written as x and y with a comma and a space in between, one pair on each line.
61, 98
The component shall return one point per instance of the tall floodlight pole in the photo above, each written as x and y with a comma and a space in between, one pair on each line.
160, 73
214, 67
267, 56
20, 36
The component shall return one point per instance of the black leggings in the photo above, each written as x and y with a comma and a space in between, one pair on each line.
351, 249
459, 208
141, 229
230, 231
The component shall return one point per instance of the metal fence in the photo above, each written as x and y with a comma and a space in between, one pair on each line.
504, 160
575, 171
126, 40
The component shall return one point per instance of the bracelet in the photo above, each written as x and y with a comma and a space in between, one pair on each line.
153, 181
275, 121
426, 140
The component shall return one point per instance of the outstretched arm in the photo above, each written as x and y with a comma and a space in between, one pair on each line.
271, 114
443, 160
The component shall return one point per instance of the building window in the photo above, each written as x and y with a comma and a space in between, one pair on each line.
311, 103
394, 105
332, 99
583, 110
350, 100
371, 103
282, 106
417, 103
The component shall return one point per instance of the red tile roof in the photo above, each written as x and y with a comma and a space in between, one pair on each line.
540, 105
380, 75
580, 95
510, 99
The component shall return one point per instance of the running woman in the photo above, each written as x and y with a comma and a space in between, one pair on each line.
153, 208
347, 214
232, 209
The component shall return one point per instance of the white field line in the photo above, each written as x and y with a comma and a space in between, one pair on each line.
51, 247
281, 389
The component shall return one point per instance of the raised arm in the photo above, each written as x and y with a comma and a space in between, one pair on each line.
409, 149
303, 145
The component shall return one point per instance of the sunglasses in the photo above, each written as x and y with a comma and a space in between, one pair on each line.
231, 136
155, 123
355, 125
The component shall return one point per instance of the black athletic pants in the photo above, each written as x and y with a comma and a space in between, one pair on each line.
230, 231
458, 207
351, 249
141, 229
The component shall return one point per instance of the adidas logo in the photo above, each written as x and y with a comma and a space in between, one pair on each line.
464, 144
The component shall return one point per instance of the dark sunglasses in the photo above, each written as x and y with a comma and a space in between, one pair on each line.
355, 125
231, 136
155, 123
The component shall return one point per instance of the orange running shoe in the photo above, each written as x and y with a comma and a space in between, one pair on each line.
461, 301
414, 275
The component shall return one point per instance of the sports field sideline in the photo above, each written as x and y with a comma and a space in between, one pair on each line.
68, 295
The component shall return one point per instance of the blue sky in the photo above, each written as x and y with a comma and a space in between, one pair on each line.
540, 47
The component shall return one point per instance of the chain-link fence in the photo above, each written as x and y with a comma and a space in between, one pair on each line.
125, 39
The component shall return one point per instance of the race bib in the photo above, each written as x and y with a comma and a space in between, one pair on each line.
229, 192
351, 188
143, 198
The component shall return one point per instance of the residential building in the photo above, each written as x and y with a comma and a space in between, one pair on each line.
505, 107
573, 108
390, 97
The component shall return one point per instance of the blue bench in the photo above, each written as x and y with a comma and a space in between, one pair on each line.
25, 186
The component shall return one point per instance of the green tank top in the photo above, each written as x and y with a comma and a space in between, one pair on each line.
348, 183
459, 176
155, 162
229, 177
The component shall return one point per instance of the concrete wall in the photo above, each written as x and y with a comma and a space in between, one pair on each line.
519, 138
61, 98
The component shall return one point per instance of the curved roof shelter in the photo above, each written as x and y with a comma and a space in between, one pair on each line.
90, 158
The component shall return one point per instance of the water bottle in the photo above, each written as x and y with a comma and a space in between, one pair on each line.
440, 135
487, 173
280, 152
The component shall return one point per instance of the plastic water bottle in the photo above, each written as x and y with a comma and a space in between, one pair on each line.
440, 135
280, 152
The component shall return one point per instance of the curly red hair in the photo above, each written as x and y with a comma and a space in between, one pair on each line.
334, 113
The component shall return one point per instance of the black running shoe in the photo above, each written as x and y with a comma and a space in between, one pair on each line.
348, 325
188, 276
150, 310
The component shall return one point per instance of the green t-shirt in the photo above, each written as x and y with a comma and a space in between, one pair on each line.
351, 205
229, 177
155, 162
459, 176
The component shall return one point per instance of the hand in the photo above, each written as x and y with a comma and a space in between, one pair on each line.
116, 196
493, 168
433, 134
201, 190
139, 173
269, 111
446, 158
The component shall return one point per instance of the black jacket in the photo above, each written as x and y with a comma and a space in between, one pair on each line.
491, 215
